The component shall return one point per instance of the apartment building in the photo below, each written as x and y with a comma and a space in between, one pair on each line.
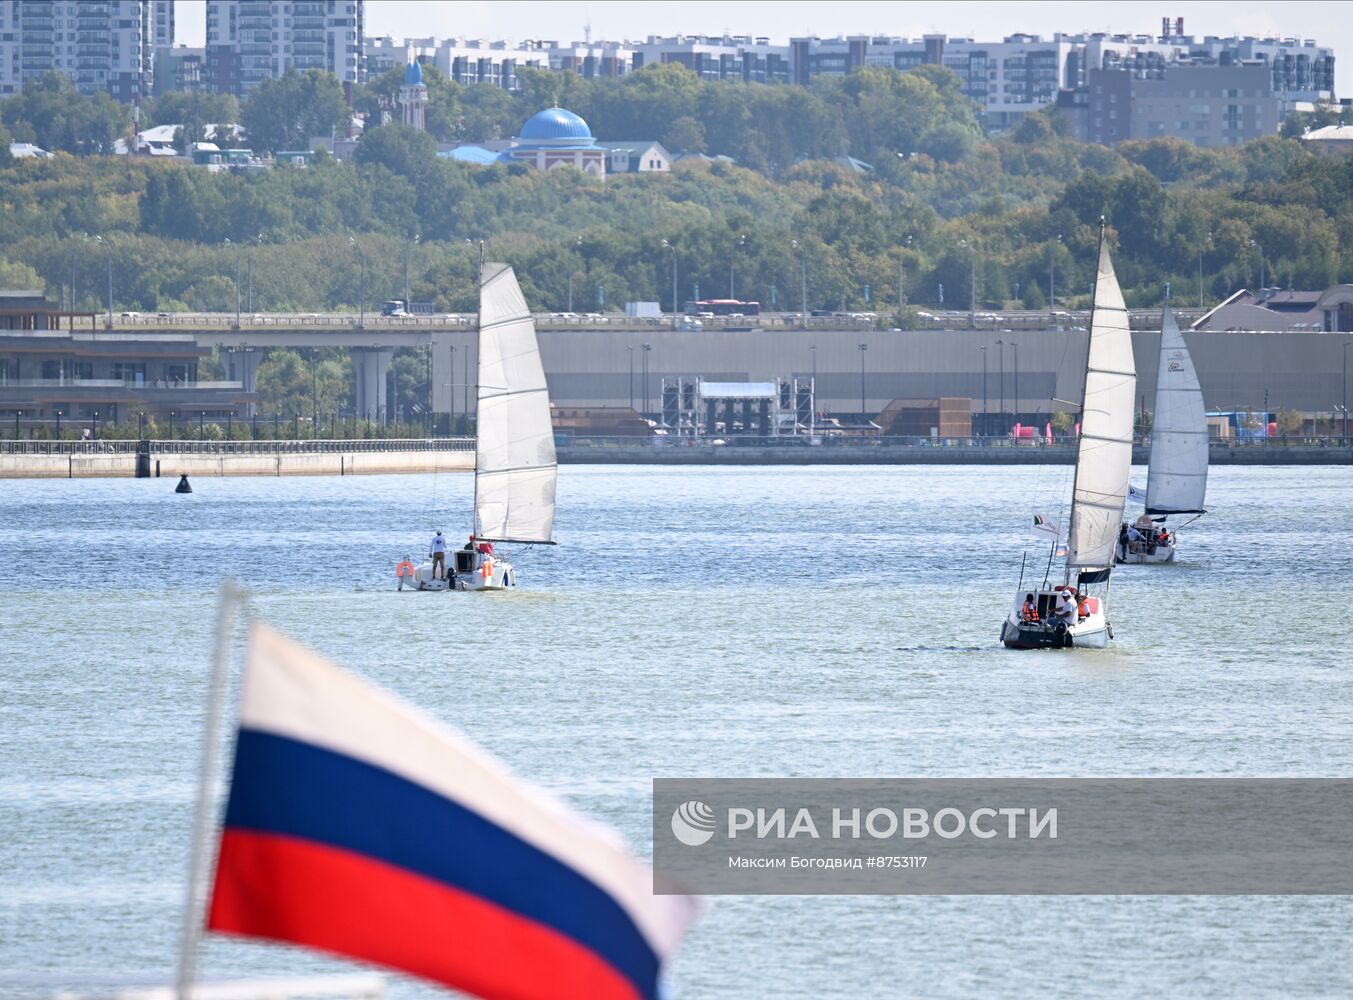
104, 46
1203, 103
249, 41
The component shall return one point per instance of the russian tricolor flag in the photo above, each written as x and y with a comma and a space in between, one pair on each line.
358, 825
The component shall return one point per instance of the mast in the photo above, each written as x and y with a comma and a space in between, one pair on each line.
479, 353
1089, 342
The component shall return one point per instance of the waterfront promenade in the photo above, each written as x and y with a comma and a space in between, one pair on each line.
337, 457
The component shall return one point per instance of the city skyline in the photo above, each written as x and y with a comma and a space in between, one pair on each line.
980, 20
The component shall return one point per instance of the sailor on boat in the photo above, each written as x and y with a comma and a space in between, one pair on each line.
438, 556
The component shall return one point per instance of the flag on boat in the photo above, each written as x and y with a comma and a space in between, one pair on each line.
1136, 494
358, 825
1044, 526
1060, 551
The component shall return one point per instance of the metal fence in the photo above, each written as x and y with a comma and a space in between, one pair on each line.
324, 446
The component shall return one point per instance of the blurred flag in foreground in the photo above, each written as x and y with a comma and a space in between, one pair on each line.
1044, 526
1136, 494
358, 825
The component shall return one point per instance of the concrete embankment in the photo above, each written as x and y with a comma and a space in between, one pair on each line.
909, 455
170, 464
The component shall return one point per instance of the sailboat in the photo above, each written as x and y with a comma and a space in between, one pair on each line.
1177, 474
514, 469
1103, 464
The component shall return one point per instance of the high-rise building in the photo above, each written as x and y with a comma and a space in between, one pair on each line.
1204, 103
102, 45
249, 41
163, 30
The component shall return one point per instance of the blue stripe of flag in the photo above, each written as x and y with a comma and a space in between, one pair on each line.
285, 786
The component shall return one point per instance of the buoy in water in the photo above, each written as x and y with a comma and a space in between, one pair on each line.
183, 486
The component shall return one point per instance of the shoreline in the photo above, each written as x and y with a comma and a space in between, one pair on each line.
350, 461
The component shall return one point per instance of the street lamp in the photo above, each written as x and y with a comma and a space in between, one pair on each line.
646, 349
108, 246
631, 352
1015, 347
676, 308
361, 290
732, 258
406, 271
1256, 245
237, 281
902, 281
812, 416
1200, 269
983, 349
972, 285
94, 423
1001, 345
202, 425
803, 277
1347, 345
863, 411
1052, 275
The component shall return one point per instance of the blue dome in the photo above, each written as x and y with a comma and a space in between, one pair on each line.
555, 123
413, 75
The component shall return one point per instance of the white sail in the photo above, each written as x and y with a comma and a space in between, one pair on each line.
514, 443
1104, 456
1177, 477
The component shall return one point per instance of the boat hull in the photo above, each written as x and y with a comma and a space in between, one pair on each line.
487, 574
1092, 633
1147, 557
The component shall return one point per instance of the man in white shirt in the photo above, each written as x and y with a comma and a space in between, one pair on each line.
438, 555
1066, 608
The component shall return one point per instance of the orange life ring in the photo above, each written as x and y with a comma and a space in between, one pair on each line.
486, 569
404, 569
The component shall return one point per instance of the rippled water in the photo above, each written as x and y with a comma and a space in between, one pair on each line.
693, 621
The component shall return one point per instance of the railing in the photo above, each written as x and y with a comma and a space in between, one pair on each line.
832, 440
285, 447
114, 383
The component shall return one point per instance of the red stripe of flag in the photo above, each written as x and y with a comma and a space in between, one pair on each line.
289, 889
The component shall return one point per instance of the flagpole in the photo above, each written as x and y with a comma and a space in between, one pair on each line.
228, 603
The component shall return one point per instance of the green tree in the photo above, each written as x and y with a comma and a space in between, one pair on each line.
286, 111
402, 149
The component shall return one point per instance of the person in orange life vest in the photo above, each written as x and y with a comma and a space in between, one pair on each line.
1082, 606
1163, 538
1029, 612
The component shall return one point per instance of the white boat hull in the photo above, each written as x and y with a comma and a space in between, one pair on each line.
1147, 555
488, 573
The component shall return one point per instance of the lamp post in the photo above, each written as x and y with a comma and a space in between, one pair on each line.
863, 349
902, 282
361, 288
202, 425
140, 424
276, 425
1001, 345
237, 281
249, 274
94, 425
1200, 269
1015, 347
631, 353
406, 271
58, 425
732, 259
1052, 275
108, 247
812, 416
1257, 246
984, 385
803, 278
972, 281
646, 349
451, 409
676, 306
1347, 345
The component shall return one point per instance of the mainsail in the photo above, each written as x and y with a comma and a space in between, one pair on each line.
514, 443
1177, 476
1104, 456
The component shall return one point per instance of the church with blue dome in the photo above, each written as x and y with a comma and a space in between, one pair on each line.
554, 138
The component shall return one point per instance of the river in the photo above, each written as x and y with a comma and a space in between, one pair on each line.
767, 621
